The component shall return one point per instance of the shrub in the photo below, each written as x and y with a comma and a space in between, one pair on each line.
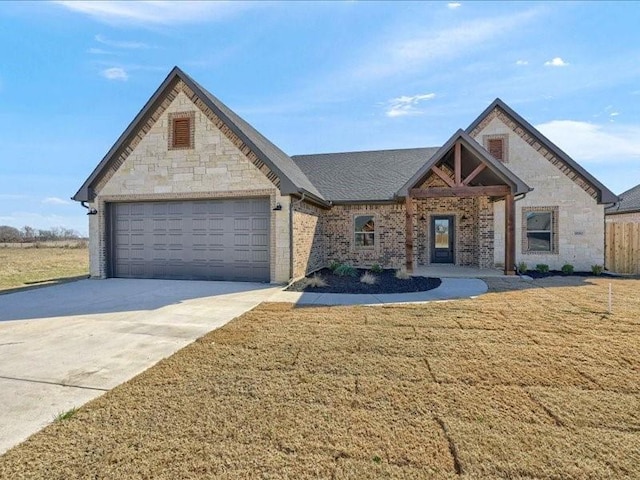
567, 269
597, 269
334, 264
368, 278
522, 267
376, 268
345, 270
315, 282
542, 268
402, 274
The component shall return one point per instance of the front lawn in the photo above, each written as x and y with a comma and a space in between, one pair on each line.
533, 382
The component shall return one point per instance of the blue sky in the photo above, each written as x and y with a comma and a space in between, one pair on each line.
312, 77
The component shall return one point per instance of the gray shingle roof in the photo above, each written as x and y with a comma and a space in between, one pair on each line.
362, 176
629, 201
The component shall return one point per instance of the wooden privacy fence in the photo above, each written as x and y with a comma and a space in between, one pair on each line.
622, 247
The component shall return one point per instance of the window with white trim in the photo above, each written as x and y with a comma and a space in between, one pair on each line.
364, 231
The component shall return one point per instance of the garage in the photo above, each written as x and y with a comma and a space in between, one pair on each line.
226, 239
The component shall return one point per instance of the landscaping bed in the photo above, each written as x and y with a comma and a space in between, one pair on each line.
386, 281
558, 273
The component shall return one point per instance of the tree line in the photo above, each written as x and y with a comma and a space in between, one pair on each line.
28, 234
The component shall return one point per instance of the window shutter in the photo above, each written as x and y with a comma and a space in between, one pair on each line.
495, 147
182, 132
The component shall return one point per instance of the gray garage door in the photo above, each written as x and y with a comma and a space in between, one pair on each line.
201, 240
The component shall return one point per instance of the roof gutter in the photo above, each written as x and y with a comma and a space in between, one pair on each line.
307, 195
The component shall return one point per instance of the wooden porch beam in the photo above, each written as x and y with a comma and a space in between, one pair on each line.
509, 235
438, 192
440, 173
474, 174
409, 233
457, 162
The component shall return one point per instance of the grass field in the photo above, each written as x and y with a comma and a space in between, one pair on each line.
533, 382
20, 267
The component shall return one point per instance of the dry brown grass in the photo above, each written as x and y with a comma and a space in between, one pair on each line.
532, 382
25, 266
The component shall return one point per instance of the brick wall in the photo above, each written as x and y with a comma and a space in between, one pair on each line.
309, 253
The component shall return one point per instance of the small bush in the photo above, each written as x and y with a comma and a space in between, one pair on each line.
345, 270
567, 269
315, 282
597, 269
402, 274
522, 267
334, 264
376, 268
368, 278
542, 268
65, 415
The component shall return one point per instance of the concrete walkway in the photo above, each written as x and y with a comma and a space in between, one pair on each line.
449, 289
64, 345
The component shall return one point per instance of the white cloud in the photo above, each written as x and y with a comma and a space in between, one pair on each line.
55, 201
454, 5
406, 105
594, 143
40, 221
120, 44
115, 73
99, 51
556, 62
412, 51
157, 12
522, 62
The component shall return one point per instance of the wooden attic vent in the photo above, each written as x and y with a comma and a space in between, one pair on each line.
181, 131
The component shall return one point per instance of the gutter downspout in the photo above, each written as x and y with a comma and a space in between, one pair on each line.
291, 207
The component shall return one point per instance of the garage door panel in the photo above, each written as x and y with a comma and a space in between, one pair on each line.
216, 240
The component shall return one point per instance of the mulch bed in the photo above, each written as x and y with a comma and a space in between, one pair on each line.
386, 283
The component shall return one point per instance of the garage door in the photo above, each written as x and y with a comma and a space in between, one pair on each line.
201, 240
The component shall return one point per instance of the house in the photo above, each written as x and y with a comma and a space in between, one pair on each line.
627, 209
191, 190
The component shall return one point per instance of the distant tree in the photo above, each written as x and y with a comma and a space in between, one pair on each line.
9, 234
28, 233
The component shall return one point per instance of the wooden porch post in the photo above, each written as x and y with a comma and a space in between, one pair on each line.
409, 234
509, 235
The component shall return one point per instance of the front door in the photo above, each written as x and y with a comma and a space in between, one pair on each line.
442, 233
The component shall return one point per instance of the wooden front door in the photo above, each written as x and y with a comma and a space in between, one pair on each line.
442, 239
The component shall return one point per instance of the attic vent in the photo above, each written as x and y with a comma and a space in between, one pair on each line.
496, 145
181, 130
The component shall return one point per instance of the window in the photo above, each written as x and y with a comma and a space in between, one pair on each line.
496, 145
365, 231
540, 230
181, 130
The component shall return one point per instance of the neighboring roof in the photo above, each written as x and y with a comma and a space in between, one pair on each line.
629, 202
292, 180
605, 195
495, 166
362, 176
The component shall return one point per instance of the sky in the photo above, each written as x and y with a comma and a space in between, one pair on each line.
312, 77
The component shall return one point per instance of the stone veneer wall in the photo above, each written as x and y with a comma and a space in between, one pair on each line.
309, 253
580, 218
389, 250
633, 217
215, 168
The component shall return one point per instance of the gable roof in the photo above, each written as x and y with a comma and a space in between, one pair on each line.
496, 167
604, 194
629, 202
292, 179
363, 176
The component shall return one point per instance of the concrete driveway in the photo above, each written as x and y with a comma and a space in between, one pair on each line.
64, 345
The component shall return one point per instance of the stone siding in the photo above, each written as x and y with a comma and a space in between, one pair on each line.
580, 218
309, 253
215, 168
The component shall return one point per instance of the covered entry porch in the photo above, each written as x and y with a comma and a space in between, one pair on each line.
449, 208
